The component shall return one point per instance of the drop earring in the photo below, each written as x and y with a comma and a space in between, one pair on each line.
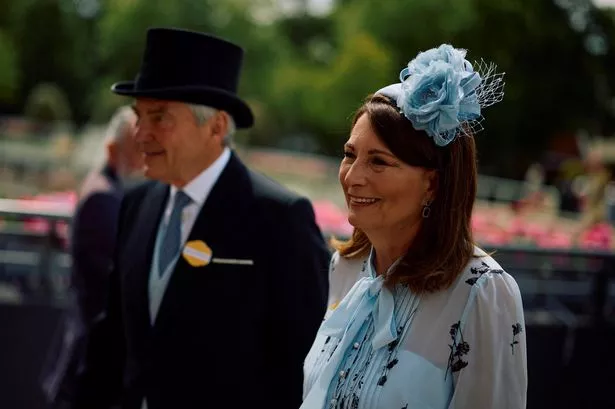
427, 208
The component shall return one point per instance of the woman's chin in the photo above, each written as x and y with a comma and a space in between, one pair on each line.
356, 221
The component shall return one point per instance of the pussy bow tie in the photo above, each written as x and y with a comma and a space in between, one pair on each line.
367, 296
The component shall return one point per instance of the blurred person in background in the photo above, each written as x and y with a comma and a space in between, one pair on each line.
94, 230
594, 230
593, 190
609, 196
566, 182
220, 278
419, 316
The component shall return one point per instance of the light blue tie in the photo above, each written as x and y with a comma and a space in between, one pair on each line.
172, 236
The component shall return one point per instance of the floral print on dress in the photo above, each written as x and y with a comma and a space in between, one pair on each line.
458, 350
378, 379
392, 349
516, 329
479, 271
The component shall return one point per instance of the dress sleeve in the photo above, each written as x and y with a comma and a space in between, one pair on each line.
488, 352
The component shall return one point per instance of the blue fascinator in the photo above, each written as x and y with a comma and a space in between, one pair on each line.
442, 94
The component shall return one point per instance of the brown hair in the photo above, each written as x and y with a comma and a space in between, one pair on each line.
444, 244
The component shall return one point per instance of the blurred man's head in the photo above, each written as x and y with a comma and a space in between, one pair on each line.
122, 150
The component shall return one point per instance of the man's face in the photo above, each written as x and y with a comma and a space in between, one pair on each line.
130, 160
175, 148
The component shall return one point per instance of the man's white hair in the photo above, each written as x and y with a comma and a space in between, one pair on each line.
123, 117
203, 113
95, 154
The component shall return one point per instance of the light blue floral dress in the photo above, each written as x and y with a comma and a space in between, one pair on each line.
461, 348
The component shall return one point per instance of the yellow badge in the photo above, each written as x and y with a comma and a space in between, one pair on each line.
197, 253
334, 305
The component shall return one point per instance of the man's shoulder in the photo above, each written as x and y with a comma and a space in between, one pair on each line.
94, 183
135, 195
271, 192
138, 191
97, 201
97, 192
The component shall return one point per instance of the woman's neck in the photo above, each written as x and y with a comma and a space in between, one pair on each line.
391, 244
388, 252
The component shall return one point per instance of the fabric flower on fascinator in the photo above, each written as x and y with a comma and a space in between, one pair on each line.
442, 94
444, 53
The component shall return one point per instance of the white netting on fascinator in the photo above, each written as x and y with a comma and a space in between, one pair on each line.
489, 92
443, 94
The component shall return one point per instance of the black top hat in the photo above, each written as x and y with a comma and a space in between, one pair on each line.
191, 67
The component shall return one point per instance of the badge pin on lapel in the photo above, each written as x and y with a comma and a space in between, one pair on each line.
198, 254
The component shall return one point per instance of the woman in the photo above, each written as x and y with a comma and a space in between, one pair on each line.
420, 317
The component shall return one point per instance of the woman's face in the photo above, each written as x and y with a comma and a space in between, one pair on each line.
383, 193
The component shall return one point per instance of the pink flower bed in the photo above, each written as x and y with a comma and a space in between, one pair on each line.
63, 202
498, 227
491, 226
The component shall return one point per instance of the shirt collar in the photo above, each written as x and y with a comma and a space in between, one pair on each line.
199, 188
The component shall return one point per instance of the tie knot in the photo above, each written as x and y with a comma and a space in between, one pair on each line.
181, 200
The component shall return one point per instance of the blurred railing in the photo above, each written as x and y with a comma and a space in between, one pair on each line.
500, 190
33, 262
568, 282
568, 295
572, 286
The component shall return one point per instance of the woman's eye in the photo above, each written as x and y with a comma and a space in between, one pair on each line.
379, 162
348, 154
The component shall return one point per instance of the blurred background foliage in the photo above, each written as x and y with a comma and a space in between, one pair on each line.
306, 71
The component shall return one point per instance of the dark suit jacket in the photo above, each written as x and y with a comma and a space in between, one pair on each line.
230, 335
94, 230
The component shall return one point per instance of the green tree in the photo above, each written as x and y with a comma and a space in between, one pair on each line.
54, 46
550, 76
9, 74
47, 104
122, 33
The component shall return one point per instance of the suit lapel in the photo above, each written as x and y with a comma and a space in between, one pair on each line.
139, 254
220, 214
228, 197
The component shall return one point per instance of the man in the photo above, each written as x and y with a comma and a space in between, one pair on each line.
220, 282
92, 248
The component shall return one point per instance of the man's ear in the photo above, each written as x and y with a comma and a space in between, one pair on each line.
219, 125
112, 153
